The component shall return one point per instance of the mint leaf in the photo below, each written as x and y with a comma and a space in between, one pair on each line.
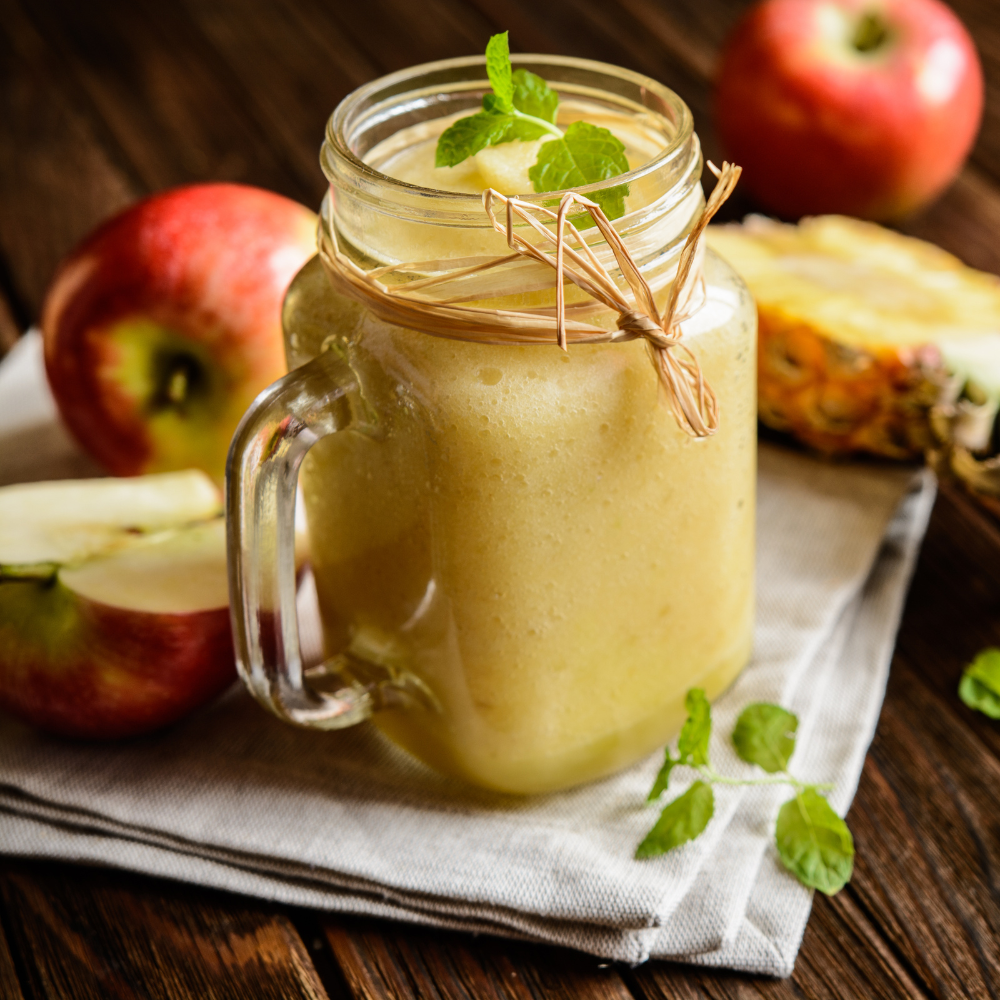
692, 744
519, 127
523, 106
524, 130
814, 843
585, 155
980, 684
533, 96
469, 135
683, 820
765, 735
499, 72
503, 116
663, 777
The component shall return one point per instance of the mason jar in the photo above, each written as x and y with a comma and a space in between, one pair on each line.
522, 561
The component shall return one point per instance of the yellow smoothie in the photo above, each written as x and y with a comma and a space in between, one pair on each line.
526, 531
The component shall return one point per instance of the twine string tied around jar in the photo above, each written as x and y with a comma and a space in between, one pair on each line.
692, 401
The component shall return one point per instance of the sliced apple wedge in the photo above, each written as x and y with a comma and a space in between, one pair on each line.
119, 640
66, 521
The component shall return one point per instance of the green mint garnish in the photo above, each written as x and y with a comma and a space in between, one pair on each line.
499, 72
534, 97
765, 735
813, 842
469, 135
692, 744
523, 106
585, 155
980, 684
683, 820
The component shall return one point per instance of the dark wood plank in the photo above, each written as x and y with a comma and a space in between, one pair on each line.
896, 890
396, 35
165, 95
10, 987
844, 956
88, 934
295, 64
106, 100
57, 176
964, 221
953, 610
689, 44
947, 783
381, 960
10, 329
980, 16
662, 981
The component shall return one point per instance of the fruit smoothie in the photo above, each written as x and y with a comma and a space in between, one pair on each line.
524, 530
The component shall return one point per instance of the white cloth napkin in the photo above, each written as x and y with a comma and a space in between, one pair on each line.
233, 798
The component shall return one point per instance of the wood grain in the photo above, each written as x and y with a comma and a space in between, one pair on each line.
164, 94
10, 329
382, 960
964, 221
10, 987
105, 101
90, 935
58, 176
293, 97
980, 16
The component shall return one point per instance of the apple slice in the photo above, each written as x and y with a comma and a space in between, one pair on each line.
62, 522
121, 641
180, 572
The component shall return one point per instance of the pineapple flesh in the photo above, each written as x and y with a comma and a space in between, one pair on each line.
871, 341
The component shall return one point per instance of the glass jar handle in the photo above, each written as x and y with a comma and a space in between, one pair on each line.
283, 423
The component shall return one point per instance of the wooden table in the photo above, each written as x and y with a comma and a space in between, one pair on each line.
103, 101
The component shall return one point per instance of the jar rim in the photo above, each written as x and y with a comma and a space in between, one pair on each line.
337, 145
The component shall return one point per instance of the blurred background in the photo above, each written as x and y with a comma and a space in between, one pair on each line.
105, 101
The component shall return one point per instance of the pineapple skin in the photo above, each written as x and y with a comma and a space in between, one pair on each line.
847, 312
841, 399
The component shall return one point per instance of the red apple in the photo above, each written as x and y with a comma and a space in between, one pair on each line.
848, 106
163, 325
114, 605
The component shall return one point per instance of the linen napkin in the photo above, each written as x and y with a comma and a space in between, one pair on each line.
234, 799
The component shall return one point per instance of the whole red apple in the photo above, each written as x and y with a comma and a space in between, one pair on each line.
114, 610
857, 107
163, 325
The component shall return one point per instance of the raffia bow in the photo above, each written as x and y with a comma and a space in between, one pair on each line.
691, 399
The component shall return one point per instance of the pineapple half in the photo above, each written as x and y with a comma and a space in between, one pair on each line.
871, 341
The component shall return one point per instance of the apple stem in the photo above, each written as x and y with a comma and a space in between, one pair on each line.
870, 34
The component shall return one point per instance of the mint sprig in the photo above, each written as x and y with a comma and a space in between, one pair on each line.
585, 155
499, 72
813, 842
523, 106
980, 684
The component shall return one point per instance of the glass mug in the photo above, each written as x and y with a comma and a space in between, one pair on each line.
522, 562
